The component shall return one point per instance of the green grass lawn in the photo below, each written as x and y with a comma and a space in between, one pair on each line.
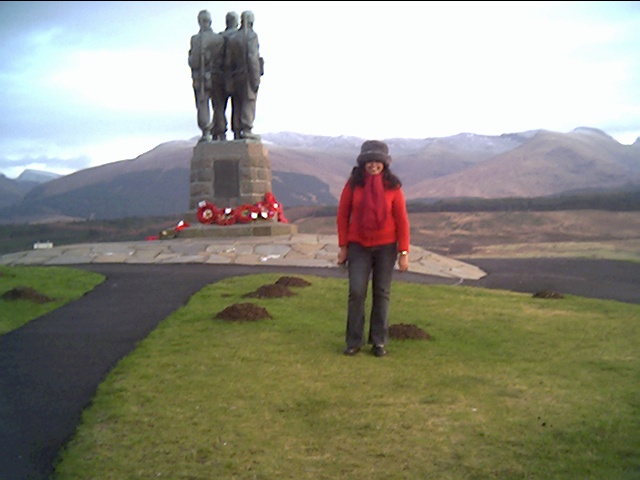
57, 285
508, 387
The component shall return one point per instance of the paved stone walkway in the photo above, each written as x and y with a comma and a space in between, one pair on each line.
304, 250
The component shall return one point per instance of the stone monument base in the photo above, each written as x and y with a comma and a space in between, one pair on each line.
230, 174
255, 229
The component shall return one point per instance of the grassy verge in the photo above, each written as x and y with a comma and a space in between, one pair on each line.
508, 387
59, 284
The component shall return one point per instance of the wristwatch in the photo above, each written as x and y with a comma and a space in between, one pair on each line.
404, 253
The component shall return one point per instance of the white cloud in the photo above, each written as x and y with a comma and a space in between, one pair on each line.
129, 81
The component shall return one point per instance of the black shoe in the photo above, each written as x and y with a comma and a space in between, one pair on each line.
378, 350
351, 351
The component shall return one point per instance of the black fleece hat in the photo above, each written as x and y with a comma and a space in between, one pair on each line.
374, 151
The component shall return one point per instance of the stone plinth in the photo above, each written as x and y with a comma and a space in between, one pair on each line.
229, 173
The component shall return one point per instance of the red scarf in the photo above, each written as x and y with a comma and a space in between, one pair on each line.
373, 211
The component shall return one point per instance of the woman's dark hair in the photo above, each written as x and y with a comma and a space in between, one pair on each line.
390, 181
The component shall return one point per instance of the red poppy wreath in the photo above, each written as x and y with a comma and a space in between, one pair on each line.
207, 212
266, 210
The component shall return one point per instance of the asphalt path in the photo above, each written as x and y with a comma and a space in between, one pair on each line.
52, 366
602, 279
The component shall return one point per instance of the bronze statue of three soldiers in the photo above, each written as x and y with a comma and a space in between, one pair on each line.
225, 66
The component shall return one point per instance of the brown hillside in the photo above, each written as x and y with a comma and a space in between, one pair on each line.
550, 163
163, 158
312, 170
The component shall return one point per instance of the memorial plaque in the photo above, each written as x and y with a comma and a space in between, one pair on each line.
226, 180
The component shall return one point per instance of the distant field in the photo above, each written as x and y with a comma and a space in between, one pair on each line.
569, 233
572, 233
17, 238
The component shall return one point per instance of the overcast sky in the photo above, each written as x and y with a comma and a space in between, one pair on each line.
88, 83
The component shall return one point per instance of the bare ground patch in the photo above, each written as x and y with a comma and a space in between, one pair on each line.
247, 311
407, 331
244, 312
26, 293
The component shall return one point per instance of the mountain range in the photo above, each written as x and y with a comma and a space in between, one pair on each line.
310, 170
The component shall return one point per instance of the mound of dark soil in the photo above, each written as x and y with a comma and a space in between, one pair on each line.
26, 293
292, 282
244, 312
407, 331
270, 291
547, 294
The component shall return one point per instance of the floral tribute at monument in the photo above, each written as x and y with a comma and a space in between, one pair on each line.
268, 209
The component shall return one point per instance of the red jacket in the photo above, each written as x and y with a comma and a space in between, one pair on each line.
395, 229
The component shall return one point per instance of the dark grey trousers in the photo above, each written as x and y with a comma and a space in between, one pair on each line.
377, 264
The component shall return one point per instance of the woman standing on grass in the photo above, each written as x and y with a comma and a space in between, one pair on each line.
373, 233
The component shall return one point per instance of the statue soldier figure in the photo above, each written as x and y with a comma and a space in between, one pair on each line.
244, 67
232, 20
206, 59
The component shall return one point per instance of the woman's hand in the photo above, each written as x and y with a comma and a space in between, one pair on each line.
403, 262
342, 255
